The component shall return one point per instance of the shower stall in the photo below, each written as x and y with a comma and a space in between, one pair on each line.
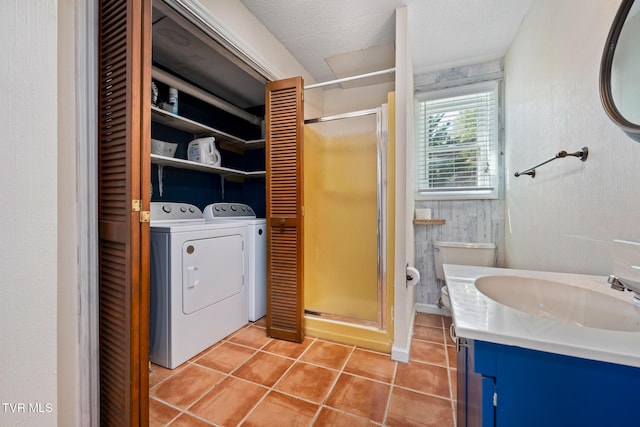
345, 223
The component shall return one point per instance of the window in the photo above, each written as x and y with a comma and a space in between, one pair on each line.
457, 142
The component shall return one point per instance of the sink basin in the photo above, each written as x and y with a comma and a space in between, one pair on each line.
562, 302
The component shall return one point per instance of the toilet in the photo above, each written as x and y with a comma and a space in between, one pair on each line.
461, 253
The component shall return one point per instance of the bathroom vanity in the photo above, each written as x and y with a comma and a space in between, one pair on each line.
568, 354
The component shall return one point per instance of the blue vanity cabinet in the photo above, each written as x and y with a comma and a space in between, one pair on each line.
505, 386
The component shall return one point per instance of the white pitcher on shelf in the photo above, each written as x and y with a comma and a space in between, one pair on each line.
203, 150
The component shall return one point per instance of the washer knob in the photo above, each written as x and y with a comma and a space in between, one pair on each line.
166, 208
191, 210
233, 208
183, 209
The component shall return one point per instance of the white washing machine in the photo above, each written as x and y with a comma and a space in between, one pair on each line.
197, 289
256, 250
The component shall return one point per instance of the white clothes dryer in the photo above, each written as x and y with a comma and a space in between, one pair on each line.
256, 250
197, 289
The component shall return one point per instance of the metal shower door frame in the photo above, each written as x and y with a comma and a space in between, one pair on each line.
382, 138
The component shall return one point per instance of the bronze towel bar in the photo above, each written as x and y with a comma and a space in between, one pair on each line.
582, 155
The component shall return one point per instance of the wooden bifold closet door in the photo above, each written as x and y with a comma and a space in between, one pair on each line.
124, 56
285, 208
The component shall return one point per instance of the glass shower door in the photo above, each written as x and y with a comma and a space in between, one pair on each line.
342, 219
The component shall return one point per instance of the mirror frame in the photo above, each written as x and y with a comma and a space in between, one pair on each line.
631, 129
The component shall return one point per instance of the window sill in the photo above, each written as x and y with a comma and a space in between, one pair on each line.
467, 195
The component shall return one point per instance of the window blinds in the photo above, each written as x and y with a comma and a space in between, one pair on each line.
457, 139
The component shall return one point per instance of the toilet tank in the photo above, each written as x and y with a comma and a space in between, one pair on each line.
480, 254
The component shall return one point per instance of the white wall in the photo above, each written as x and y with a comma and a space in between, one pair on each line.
28, 231
566, 217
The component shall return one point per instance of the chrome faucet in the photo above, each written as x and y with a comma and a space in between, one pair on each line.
619, 285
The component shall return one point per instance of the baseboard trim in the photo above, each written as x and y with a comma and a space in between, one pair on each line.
432, 309
401, 354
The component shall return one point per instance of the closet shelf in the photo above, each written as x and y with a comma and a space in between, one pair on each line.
435, 221
186, 164
198, 129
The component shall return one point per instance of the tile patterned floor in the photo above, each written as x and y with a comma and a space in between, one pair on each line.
249, 379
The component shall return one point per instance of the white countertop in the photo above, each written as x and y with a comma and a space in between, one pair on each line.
476, 316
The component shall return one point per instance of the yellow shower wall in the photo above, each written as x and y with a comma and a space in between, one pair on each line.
340, 222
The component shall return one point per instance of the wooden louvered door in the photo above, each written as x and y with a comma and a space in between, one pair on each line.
285, 121
124, 85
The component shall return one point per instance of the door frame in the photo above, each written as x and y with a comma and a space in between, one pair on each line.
86, 54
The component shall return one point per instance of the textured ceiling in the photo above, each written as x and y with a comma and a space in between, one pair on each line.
444, 33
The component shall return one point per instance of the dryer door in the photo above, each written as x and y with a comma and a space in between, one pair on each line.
212, 270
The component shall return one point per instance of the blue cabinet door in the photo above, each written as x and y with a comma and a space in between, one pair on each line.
535, 388
473, 409
489, 401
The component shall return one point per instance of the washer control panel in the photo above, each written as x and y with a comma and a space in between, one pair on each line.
173, 211
228, 210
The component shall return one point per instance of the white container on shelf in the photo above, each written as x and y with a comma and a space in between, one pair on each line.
163, 148
423, 213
